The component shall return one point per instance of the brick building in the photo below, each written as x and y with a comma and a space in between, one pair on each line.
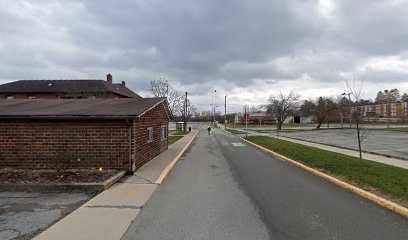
71, 89
119, 133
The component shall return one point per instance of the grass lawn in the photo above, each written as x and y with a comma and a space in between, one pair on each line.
178, 133
233, 131
173, 139
282, 130
389, 181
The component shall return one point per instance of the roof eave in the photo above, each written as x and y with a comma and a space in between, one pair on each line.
155, 105
69, 117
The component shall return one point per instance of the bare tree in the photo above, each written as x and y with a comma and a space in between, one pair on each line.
281, 106
191, 110
322, 109
362, 133
162, 88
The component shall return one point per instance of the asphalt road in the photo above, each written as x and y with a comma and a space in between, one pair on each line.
222, 191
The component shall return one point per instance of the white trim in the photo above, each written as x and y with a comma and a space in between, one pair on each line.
150, 136
155, 105
166, 132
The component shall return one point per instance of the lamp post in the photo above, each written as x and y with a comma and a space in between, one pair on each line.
225, 113
343, 94
213, 106
185, 113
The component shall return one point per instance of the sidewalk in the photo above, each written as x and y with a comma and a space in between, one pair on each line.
367, 156
109, 214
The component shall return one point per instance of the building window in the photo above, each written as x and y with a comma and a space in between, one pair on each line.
150, 135
163, 133
32, 97
10, 97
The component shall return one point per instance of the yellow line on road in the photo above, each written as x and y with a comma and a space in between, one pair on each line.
167, 170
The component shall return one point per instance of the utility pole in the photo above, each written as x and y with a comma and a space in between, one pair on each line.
225, 113
246, 123
213, 106
388, 109
185, 114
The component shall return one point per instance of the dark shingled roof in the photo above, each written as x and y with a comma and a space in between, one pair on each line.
66, 86
121, 108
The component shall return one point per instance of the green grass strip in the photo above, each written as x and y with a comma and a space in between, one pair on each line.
173, 139
386, 179
235, 131
179, 133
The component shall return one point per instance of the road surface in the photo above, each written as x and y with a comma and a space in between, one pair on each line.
224, 190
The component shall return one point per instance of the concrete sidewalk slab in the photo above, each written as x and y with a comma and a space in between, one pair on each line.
134, 179
152, 170
91, 223
109, 214
123, 195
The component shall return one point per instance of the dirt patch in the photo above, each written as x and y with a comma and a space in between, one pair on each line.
8, 175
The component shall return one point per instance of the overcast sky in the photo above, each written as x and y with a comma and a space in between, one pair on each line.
246, 49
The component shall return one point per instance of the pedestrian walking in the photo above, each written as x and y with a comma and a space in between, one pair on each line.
209, 130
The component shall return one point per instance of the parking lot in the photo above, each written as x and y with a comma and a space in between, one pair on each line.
392, 143
25, 214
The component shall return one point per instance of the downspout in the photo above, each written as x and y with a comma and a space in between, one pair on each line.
129, 123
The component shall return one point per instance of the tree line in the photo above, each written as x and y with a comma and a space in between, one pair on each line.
323, 109
179, 106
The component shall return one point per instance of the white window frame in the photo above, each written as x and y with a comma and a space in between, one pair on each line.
149, 135
164, 132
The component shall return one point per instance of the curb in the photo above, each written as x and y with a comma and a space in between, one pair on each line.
229, 132
167, 170
347, 148
38, 187
233, 133
362, 193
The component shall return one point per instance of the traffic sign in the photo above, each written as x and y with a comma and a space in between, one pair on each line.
246, 117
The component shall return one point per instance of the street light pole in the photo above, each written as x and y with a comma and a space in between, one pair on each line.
388, 109
185, 114
246, 123
225, 113
215, 93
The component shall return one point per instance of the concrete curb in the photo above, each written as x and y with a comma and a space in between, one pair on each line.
45, 187
233, 133
347, 148
229, 132
367, 195
167, 170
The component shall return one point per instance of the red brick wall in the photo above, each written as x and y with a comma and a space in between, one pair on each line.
145, 151
81, 144
35, 144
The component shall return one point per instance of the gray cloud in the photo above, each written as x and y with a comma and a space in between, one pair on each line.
254, 47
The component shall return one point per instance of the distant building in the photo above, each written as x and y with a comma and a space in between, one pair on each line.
66, 89
256, 118
397, 111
